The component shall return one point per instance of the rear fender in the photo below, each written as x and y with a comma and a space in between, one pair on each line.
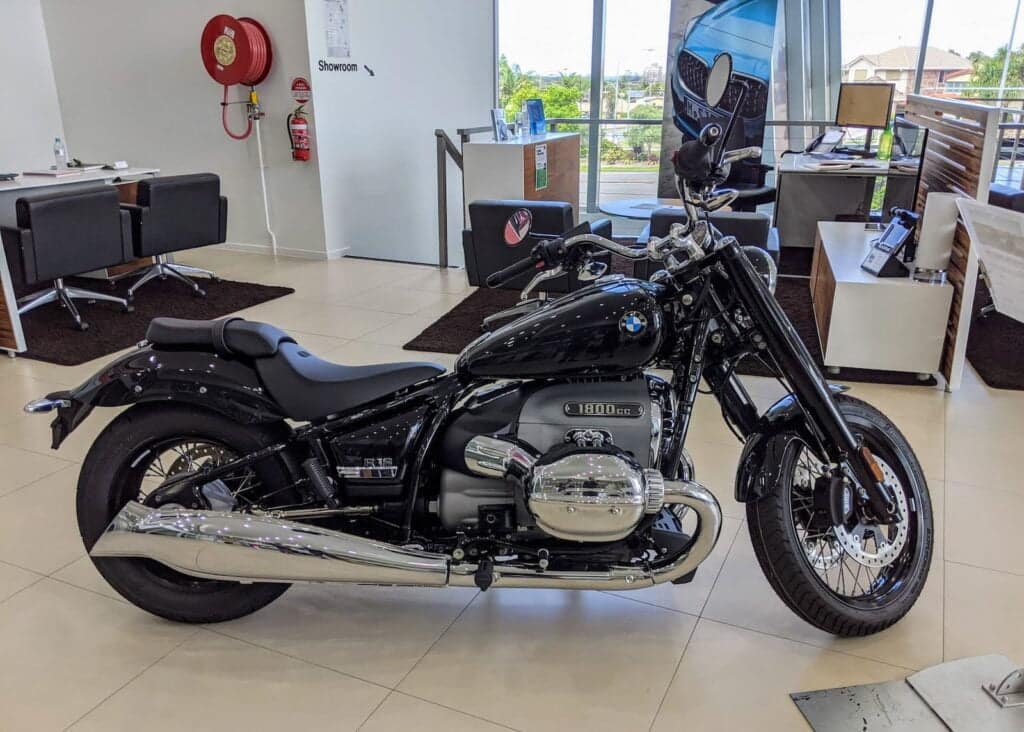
760, 461
224, 385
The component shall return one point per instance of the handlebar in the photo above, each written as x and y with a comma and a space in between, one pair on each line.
513, 270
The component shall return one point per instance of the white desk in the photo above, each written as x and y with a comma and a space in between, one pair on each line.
863, 321
12, 338
508, 169
809, 192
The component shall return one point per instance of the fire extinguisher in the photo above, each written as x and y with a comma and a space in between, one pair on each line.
298, 134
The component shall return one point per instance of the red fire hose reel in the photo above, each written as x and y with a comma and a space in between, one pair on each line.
237, 51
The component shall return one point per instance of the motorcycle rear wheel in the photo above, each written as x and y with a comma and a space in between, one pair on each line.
122, 465
811, 566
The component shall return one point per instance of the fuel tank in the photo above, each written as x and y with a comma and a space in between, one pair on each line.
609, 327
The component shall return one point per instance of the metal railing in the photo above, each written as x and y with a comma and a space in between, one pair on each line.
447, 148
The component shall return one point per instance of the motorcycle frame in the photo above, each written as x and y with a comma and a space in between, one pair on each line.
810, 411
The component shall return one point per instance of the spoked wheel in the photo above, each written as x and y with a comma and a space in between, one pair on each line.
860, 577
133, 458
856, 561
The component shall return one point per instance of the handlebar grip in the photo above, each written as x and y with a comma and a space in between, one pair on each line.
514, 269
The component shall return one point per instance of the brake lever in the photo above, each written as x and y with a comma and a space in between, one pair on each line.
541, 276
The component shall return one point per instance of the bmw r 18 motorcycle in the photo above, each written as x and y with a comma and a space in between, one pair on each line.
548, 459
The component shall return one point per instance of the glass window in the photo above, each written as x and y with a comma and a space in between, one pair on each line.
966, 59
880, 41
544, 51
635, 51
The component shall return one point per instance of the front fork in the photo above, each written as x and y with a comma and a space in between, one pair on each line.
809, 385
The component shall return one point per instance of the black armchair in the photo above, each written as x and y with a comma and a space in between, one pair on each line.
63, 234
172, 214
486, 251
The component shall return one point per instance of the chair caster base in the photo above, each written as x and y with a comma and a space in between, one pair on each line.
198, 292
129, 308
83, 326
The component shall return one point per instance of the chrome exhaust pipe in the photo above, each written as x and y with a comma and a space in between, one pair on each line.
252, 548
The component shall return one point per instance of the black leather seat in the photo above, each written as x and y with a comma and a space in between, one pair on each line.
306, 387
309, 388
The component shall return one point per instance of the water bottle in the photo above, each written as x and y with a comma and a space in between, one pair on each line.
60, 154
885, 143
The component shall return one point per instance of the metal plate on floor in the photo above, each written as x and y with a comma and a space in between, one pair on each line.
885, 707
954, 690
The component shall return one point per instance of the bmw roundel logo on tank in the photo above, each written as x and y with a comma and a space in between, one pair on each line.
633, 322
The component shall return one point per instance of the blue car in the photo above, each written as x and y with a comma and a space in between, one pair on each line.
746, 30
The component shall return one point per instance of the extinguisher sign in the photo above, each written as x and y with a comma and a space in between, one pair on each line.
302, 92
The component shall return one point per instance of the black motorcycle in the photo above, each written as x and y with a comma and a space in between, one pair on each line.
549, 458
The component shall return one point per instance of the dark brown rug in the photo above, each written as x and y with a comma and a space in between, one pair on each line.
460, 325
51, 335
796, 261
995, 346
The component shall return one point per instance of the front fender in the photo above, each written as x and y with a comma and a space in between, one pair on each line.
758, 469
224, 385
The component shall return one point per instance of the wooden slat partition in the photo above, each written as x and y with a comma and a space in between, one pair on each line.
960, 158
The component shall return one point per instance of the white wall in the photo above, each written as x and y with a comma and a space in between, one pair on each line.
29, 112
132, 86
434, 67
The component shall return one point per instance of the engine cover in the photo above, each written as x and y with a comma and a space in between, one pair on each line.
591, 494
620, 410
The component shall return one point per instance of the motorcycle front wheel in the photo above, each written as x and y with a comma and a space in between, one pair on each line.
850, 580
134, 455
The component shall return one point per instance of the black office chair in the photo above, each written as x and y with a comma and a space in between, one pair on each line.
486, 251
63, 234
172, 214
749, 180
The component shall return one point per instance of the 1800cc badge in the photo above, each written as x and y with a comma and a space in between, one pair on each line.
603, 409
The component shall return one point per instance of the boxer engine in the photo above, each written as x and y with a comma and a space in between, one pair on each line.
576, 461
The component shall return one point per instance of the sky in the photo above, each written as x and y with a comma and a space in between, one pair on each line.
957, 25
548, 36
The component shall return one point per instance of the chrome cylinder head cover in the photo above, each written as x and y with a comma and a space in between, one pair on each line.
591, 495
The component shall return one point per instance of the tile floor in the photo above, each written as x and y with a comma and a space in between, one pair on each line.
720, 653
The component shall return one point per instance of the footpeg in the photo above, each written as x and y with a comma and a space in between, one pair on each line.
484, 575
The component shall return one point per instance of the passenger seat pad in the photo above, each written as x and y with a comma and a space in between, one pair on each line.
227, 336
308, 387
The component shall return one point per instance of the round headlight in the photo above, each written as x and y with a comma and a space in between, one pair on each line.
764, 264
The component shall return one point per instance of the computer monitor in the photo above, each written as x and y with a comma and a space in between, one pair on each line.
864, 104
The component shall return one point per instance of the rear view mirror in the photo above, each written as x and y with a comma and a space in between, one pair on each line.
518, 226
718, 79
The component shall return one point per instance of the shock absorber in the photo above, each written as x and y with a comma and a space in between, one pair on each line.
320, 481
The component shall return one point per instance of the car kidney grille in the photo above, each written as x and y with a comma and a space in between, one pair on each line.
754, 104
693, 73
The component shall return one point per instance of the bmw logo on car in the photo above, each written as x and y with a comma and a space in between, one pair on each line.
633, 322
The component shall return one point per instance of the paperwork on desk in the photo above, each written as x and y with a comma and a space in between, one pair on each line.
997, 237
826, 166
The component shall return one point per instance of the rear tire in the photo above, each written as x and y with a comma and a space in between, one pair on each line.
110, 477
785, 558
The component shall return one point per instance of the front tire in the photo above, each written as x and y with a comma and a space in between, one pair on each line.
116, 471
826, 574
